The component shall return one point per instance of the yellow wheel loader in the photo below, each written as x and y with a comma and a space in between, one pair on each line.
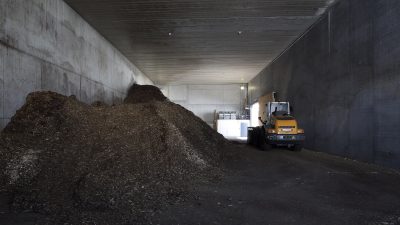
279, 129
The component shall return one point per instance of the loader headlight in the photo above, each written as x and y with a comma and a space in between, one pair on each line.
271, 131
300, 131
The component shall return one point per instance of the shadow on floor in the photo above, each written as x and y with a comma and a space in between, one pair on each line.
280, 187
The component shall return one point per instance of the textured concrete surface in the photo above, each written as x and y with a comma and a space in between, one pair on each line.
203, 100
280, 187
45, 45
342, 78
204, 46
293, 188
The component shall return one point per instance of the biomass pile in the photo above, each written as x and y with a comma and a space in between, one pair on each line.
99, 164
144, 93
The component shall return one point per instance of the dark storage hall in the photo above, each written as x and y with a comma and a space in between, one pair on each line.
197, 112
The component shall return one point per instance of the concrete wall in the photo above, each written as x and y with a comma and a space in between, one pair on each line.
45, 45
343, 79
203, 100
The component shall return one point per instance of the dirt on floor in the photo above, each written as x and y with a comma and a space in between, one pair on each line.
97, 164
281, 187
278, 187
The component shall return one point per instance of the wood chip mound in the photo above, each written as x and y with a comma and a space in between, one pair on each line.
144, 93
104, 164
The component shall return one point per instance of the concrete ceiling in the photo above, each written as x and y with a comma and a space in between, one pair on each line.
200, 41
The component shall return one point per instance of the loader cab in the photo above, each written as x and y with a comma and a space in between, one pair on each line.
277, 109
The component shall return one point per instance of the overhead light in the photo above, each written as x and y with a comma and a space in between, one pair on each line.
242, 88
239, 32
170, 34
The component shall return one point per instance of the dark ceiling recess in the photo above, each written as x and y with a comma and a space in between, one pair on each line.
200, 41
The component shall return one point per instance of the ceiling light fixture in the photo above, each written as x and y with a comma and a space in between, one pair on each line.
239, 32
170, 34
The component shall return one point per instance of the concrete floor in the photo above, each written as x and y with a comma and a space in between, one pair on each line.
283, 187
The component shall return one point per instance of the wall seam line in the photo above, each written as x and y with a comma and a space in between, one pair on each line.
8, 46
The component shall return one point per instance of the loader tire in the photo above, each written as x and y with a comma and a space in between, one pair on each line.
250, 137
256, 137
262, 142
